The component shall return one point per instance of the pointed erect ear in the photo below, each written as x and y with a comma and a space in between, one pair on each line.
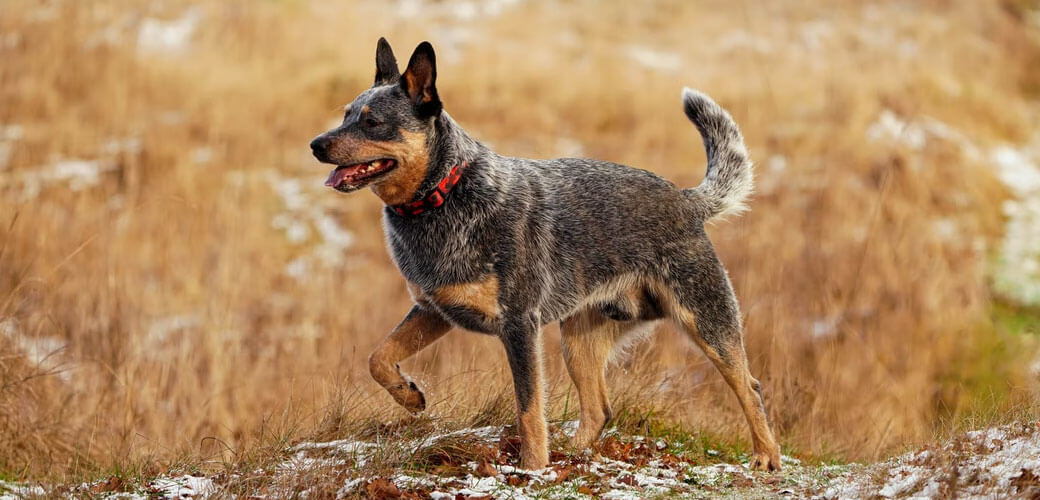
419, 79
386, 64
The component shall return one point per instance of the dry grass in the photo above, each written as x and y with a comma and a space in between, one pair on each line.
174, 330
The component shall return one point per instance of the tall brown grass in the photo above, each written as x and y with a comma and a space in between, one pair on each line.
153, 310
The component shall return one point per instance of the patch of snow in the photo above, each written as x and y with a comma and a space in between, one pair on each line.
1018, 265
15, 491
1016, 170
304, 216
349, 486
11, 40
202, 155
168, 36
985, 465
569, 147
130, 145
298, 268
184, 487
159, 330
459, 11
407, 481
296, 231
333, 234
888, 126
653, 59
569, 428
740, 40
39, 351
11, 133
290, 190
824, 327
74, 174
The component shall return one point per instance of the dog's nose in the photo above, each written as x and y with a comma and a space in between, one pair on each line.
320, 146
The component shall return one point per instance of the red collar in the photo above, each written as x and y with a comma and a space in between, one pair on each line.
435, 198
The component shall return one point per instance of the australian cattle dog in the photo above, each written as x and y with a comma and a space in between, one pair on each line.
502, 246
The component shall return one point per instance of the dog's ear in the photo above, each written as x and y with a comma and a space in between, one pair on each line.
386, 64
419, 81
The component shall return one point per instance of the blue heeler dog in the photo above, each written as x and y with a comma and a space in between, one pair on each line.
502, 246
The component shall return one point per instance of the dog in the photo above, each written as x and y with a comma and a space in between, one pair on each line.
502, 246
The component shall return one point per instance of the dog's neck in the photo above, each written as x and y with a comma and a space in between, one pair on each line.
449, 147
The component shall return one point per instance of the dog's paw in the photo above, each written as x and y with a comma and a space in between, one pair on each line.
764, 461
410, 397
585, 438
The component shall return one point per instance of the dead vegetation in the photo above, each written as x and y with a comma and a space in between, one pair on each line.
177, 290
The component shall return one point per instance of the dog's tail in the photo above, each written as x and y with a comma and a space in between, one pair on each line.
729, 180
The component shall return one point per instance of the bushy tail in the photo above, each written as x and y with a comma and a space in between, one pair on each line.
729, 180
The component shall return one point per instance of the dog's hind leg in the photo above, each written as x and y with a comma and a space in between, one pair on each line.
420, 328
588, 339
707, 310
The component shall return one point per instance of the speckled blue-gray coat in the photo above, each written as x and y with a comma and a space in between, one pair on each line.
605, 249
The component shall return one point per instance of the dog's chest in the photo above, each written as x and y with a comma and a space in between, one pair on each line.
449, 271
473, 305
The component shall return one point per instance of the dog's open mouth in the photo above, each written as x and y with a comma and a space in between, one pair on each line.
349, 178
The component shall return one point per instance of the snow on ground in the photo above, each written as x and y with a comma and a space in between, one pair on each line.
1001, 462
305, 217
168, 35
13, 491
1017, 269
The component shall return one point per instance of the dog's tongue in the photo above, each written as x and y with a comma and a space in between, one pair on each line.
336, 177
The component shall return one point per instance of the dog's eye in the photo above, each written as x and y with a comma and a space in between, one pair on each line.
371, 122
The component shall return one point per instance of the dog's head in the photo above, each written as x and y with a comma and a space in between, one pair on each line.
383, 140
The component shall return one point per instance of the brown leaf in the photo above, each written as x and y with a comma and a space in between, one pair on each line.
485, 469
515, 480
585, 490
509, 445
1025, 481
111, 484
563, 473
382, 489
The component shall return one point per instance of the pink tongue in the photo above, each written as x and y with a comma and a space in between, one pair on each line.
336, 177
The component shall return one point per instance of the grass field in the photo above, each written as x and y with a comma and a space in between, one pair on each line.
178, 289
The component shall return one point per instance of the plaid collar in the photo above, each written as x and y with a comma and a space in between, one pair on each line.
435, 198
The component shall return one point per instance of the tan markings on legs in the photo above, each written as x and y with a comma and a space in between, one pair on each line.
534, 436
731, 361
419, 329
588, 339
479, 295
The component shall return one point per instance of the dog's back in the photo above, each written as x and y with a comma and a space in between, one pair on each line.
584, 224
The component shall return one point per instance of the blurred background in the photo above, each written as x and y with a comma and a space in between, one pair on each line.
175, 279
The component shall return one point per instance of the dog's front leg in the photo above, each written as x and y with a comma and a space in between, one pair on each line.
522, 339
420, 328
